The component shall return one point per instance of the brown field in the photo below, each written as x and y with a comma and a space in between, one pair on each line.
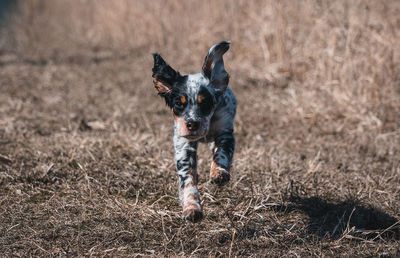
86, 157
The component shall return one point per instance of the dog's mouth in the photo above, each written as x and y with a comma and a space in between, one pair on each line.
194, 135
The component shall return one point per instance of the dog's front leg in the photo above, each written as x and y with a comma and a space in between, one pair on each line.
186, 164
222, 158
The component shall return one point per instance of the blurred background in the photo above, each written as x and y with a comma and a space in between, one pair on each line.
318, 85
347, 50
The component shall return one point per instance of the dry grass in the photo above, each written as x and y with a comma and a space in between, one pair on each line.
86, 163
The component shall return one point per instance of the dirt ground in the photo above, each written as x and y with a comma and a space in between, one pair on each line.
86, 157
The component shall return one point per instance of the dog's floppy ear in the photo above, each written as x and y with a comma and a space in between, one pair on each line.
213, 67
163, 74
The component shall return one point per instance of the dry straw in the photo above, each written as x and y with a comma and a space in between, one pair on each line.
86, 163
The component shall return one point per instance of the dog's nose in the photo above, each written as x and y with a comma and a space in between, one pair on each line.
192, 125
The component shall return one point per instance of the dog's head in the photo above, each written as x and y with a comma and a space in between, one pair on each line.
193, 98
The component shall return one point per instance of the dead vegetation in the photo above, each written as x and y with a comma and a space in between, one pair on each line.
86, 163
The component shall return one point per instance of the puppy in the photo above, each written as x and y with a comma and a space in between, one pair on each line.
203, 107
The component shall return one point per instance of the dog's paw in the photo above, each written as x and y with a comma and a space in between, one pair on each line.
192, 215
219, 176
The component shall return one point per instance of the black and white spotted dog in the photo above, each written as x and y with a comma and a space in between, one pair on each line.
204, 108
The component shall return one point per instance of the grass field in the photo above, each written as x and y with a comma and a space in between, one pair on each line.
86, 157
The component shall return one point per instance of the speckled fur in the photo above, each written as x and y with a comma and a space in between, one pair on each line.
214, 115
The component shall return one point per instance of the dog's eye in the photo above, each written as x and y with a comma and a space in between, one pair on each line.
200, 98
183, 99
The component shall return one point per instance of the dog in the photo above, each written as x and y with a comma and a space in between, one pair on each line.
204, 108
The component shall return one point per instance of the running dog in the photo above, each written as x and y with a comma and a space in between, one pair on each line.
203, 107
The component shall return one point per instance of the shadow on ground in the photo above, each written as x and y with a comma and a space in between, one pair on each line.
345, 218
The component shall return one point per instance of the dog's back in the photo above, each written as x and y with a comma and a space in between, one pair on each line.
224, 115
